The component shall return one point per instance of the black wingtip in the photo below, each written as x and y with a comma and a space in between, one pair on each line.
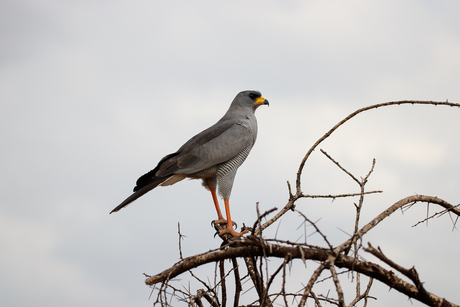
139, 193
123, 204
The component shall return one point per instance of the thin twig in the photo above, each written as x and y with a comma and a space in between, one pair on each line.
340, 166
392, 209
238, 287
223, 283
375, 106
310, 283
335, 278
338, 195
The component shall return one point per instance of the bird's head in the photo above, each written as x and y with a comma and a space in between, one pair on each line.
251, 99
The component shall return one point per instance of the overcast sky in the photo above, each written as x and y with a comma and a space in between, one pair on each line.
94, 93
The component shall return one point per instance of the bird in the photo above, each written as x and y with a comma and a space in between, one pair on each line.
213, 155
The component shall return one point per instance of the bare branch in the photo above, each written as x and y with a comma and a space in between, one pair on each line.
364, 296
335, 278
238, 287
247, 247
340, 166
437, 214
392, 209
310, 283
269, 283
317, 230
223, 282
325, 136
337, 195
258, 231
289, 206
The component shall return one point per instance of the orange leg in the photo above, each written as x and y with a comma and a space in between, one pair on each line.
216, 203
230, 223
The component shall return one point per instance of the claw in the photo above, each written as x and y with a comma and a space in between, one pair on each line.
221, 226
232, 232
218, 222
222, 221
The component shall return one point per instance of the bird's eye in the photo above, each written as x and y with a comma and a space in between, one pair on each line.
253, 96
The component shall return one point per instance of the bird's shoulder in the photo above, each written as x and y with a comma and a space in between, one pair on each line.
219, 143
221, 129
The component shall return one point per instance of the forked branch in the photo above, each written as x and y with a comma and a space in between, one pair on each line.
244, 247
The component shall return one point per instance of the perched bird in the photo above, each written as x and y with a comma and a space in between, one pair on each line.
213, 155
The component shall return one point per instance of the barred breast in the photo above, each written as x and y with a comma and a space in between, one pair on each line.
226, 172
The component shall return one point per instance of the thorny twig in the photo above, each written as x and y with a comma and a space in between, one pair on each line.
439, 214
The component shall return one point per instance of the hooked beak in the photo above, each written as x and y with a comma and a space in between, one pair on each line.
261, 100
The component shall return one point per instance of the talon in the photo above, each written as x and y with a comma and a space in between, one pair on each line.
218, 222
222, 221
233, 232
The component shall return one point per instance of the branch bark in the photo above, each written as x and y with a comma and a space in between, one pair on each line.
251, 246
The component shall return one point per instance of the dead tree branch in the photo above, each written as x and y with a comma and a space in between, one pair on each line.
250, 246
256, 252
375, 106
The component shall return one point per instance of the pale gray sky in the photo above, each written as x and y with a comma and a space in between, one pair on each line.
94, 93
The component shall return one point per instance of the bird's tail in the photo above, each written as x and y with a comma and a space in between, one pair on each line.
138, 193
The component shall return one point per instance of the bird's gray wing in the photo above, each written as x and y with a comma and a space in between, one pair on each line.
215, 145
169, 165
219, 143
